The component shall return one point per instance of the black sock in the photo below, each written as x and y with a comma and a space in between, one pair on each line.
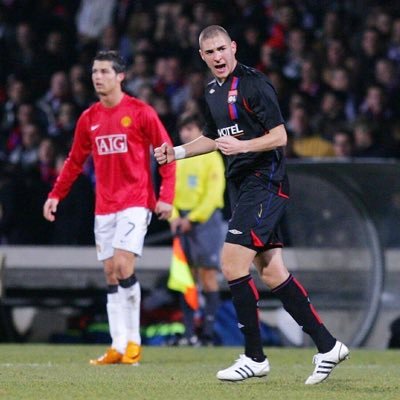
111, 289
188, 317
127, 282
245, 297
297, 303
210, 309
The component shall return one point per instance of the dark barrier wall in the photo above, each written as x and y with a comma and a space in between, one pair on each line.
341, 218
375, 184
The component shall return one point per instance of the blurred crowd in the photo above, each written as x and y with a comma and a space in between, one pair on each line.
335, 65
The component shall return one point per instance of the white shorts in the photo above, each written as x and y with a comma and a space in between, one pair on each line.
123, 230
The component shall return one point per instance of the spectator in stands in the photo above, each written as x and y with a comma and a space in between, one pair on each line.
47, 153
331, 114
92, 18
371, 49
63, 131
343, 144
24, 55
58, 92
393, 48
310, 82
56, 56
17, 93
139, 73
250, 42
376, 109
366, 142
332, 28
340, 82
25, 155
81, 94
27, 114
268, 59
387, 76
304, 142
296, 54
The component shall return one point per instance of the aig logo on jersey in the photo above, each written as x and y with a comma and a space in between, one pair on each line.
111, 144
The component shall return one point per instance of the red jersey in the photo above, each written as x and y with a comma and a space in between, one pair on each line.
119, 139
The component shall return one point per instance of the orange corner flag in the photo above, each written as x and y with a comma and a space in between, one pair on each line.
180, 276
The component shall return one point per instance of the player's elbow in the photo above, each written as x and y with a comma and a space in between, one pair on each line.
282, 140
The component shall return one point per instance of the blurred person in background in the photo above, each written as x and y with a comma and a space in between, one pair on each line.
118, 131
197, 217
25, 155
305, 142
340, 82
330, 114
393, 48
63, 131
47, 153
17, 92
139, 73
366, 140
376, 108
343, 144
57, 93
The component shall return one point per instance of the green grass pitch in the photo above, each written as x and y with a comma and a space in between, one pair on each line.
57, 372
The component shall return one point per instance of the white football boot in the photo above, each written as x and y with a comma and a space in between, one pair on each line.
244, 368
325, 362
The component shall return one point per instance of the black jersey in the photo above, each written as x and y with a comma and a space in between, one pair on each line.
245, 106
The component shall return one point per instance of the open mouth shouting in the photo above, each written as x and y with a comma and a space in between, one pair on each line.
221, 70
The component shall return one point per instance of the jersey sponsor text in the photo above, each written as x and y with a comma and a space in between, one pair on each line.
111, 144
232, 130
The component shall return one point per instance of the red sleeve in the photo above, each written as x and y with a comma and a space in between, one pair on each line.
158, 135
81, 148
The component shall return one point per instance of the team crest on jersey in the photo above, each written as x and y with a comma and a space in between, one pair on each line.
232, 96
126, 121
111, 144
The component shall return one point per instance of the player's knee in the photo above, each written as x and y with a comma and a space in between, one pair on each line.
273, 274
210, 281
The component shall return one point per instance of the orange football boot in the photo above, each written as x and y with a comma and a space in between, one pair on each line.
111, 356
133, 354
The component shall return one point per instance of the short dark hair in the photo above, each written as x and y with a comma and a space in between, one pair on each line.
212, 31
190, 118
118, 63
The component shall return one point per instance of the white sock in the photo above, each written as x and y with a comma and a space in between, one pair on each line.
116, 322
130, 298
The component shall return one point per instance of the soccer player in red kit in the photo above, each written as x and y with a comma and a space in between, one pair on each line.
118, 131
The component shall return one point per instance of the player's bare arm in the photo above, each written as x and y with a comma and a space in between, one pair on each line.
276, 137
166, 153
50, 208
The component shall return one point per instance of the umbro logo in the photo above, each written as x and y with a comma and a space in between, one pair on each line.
235, 232
211, 91
94, 127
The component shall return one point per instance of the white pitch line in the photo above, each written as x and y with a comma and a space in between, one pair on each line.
32, 365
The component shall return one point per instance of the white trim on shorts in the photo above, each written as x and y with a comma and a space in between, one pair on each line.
123, 230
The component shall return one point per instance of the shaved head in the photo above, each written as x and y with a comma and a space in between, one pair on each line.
212, 31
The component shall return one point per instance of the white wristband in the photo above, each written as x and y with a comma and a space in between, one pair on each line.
180, 152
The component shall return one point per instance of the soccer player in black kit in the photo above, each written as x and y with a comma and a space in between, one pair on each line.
244, 122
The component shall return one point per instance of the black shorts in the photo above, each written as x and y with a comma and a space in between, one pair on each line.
258, 208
